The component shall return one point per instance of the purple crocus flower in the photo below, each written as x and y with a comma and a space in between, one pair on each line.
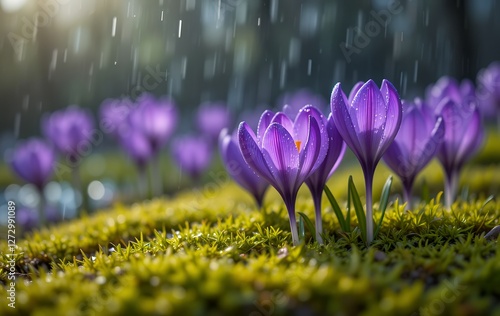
447, 87
489, 90
70, 130
238, 169
34, 161
155, 119
114, 115
137, 147
285, 153
368, 122
293, 102
416, 143
212, 118
317, 180
463, 137
193, 154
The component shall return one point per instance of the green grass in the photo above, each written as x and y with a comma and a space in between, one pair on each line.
209, 251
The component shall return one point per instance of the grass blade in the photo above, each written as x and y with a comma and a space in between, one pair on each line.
384, 199
301, 230
358, 208
304, 219
336, 208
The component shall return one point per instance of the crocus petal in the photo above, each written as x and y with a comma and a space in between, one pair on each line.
237, 167
264, 122
343, 120
394, 114
252, 153
301, 124
471, 139
282, 119
310, 154
355, 90
368, 110
281, 156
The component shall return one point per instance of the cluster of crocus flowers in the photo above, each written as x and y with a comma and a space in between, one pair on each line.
285, 152
416, 143
142, 128
457, 104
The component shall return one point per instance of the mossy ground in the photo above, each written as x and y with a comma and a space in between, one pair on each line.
209, 251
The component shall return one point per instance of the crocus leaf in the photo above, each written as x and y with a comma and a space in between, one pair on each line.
336, 208
304, 219
358, 208
384, 198
301, 229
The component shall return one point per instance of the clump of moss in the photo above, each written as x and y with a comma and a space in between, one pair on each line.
211, 252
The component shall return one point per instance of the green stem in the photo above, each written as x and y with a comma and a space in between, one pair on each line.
290, 205
143, 183
450, 187
77, 187
318, 221
156, 176
41, 209
369, 207
407, 196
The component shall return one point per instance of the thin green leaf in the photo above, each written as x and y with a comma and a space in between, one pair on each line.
305, 220
301, 230
384, 199
358, 208
336, 208
426, 196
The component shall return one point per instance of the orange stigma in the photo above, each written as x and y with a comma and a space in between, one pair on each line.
297, 144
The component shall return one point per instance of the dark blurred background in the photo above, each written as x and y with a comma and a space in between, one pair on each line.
247, 52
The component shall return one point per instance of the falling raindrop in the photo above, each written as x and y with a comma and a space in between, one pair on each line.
113, 27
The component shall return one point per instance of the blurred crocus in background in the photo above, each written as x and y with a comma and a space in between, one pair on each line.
317, 180
211, 118
488, 92
368, 122
34, 161
285, 153
155, 119
448, 87
71, 130
292, 102
193, 154
463, 137
113, 115
415, 145
238, 169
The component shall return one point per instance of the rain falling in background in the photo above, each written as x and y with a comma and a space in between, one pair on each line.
54, 53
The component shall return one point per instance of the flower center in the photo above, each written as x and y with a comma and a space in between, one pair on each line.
297, 144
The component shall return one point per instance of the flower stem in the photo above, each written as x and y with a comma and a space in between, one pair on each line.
156, 176
369, 207
293, 223
41, 209
77, 187
407, 196
143, 183
318, 221
450, 187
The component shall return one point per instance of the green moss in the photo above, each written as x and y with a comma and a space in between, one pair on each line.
210, 252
